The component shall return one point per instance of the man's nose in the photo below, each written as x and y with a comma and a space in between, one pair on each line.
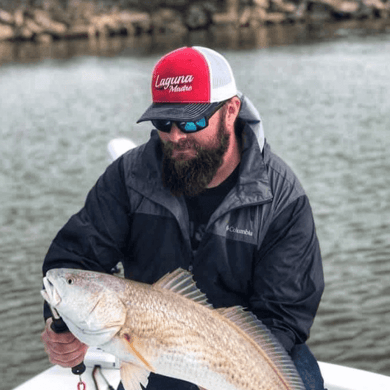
175, 135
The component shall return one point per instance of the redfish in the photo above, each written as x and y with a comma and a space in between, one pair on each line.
170, 329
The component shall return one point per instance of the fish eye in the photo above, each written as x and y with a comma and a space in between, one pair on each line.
70, 280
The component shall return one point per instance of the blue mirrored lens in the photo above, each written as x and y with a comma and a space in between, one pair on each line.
201, 122
190, 126
187, 127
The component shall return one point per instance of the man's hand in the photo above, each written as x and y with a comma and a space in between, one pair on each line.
63, 348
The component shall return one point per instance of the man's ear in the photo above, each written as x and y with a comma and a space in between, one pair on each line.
232, 111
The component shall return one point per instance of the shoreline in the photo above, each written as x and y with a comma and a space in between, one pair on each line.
85, 20
218, 38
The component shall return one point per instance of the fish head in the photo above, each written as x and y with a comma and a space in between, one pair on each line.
89, 302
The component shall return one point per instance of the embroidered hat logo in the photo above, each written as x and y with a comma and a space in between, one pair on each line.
173, 83
190, 82
233, 229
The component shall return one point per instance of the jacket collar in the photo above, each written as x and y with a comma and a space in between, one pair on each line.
253, 185
251, 117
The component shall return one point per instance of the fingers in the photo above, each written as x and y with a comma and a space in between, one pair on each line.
63, 348
71, 359
50, 335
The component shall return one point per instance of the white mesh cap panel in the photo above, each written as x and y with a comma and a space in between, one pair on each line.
223, 85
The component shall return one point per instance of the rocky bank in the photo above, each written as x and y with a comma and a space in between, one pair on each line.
47, 20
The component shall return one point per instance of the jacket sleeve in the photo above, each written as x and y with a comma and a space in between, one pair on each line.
95, 237
288, 277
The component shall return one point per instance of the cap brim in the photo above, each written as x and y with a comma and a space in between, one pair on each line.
177, 111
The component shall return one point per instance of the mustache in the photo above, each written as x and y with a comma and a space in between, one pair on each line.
183, 144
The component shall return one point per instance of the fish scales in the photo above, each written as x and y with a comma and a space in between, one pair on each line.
195, 335
164, 331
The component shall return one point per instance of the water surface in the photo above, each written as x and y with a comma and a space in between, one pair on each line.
325, 107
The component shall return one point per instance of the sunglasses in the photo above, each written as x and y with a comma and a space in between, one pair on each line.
186, 127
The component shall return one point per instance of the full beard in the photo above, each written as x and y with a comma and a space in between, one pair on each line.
191, 177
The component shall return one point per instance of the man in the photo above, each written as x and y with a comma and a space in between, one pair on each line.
206, 194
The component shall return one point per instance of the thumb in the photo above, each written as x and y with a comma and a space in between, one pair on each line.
54, 335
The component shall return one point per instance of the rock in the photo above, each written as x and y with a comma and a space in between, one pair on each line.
225, 18
126, 25
79, 31
19, 17
253, 17
348, 7
167, 20
6, 17
260, 13
140, 21
232, 7
275, 17
328, 9
281, 6
228, 17
300, 12
197, 17
58, 14
43, 19
319, 10
81, 18
106, 24
261, 3
375, 4
32, 26
81, 10
175, 3
23, 33
44, 38
245, 18
6, 32
379, 9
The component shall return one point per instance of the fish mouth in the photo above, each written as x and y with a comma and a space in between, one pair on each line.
50, 293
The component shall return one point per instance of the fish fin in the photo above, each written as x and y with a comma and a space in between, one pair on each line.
181, 282
262, 336
133, 376
135, 347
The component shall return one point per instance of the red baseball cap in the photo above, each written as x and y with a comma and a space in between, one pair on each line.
188, 83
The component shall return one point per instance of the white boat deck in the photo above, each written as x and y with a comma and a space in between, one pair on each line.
336, 378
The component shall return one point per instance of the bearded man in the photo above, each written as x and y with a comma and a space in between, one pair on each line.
206, 194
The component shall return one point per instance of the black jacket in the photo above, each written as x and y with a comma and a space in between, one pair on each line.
260, 249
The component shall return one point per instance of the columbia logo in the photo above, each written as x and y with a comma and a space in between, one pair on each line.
233, 229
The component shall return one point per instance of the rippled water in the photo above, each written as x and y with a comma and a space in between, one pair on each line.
325, 108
